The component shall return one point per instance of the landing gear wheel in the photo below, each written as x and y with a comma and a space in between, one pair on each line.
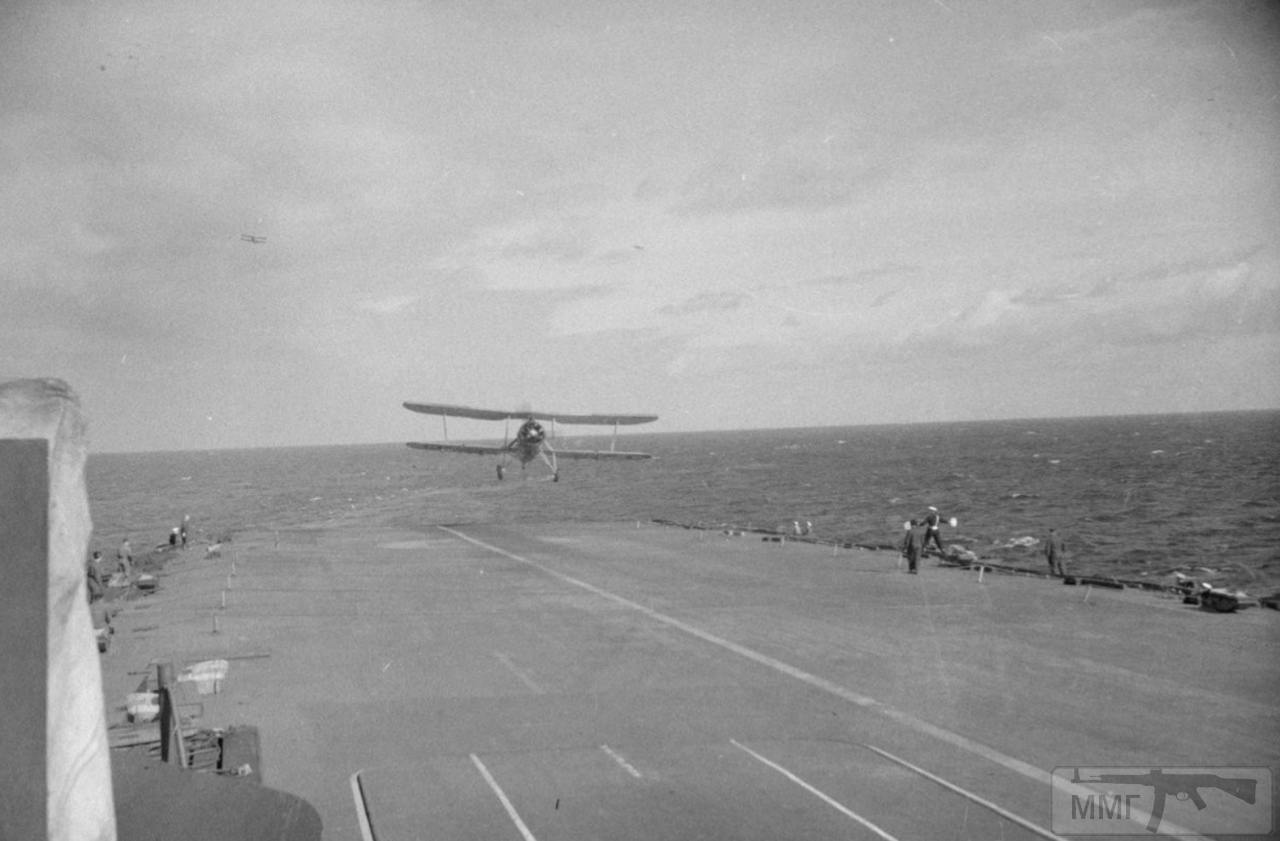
500, 471
555, 477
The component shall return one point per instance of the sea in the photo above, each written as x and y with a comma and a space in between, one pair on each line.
1135, 497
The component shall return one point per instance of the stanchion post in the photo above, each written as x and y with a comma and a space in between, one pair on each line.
171, 741
164, 677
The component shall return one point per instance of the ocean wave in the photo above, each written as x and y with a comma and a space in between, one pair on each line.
1116, 506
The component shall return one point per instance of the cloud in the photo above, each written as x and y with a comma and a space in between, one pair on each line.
1198, 265
1208, 298
803, 171
389, 306
884, 271
885, 281
706, 302
815, 189
36, 315
1230, 300
561, 248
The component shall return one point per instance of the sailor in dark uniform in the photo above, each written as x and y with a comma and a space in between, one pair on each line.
932, 532
911, 546
1053, 552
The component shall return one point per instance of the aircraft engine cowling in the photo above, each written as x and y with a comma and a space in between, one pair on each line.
531, 432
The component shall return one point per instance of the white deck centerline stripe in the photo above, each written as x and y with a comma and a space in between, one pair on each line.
524, 678
1139, 816
981, 801
502, 796
617, 757
362, 808
920, 725
830, 801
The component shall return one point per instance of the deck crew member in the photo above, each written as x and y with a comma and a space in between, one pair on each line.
1053, 553
932, 522
124, 558
93, 578
911, 546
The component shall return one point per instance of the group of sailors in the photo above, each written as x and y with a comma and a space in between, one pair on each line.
799, 529
915, 544
98, 579
925, 532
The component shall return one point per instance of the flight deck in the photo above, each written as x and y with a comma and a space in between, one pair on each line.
632, 680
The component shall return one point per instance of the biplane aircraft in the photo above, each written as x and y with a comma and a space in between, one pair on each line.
256, 240
531, 440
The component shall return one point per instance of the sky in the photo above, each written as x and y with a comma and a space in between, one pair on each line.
778, 213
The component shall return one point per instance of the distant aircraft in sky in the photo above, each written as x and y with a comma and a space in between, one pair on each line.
530, 440
253, 239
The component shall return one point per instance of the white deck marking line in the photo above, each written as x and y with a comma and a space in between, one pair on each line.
830, 801
981, 801
963, 742
502, 796
362, 808
617, 757
524, 678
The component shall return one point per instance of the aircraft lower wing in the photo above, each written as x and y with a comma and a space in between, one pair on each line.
483, 450
602, 455
473, 449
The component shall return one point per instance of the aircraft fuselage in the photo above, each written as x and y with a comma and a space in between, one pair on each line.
528, 443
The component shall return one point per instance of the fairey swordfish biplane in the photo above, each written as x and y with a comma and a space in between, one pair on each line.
531, 440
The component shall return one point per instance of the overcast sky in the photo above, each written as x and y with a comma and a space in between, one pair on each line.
730, 214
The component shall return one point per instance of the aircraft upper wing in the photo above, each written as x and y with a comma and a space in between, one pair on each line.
501, 414
473, 449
